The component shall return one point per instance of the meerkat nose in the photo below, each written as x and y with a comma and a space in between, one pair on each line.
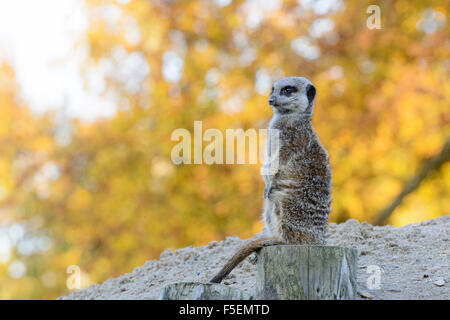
272, 101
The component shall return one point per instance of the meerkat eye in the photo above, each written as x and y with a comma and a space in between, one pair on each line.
288, 90
271, 91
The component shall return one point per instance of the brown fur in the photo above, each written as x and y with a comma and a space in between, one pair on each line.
298, 196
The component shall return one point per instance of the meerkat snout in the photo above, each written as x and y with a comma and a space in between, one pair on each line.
292, 95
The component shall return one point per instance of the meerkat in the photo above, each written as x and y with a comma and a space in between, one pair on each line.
297, 197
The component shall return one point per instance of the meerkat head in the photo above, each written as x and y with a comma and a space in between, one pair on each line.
293, 95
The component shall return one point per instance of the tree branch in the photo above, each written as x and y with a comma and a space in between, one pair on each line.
432, 164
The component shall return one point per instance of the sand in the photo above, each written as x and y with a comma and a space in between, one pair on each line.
413, 262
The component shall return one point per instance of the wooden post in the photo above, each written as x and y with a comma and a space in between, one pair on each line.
201, 291
297, 272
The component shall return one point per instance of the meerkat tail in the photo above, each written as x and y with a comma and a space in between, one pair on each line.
243, 253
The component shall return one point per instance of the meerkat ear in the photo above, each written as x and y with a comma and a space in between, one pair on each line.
310, 92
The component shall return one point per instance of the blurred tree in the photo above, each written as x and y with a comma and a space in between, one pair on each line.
113, 198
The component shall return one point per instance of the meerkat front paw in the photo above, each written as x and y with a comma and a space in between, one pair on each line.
267, 192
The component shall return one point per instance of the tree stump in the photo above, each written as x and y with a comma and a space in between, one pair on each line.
297, 272
201, 291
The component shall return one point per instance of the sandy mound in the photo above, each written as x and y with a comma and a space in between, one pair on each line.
414, 259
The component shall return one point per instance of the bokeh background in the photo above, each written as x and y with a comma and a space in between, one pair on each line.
90, 92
